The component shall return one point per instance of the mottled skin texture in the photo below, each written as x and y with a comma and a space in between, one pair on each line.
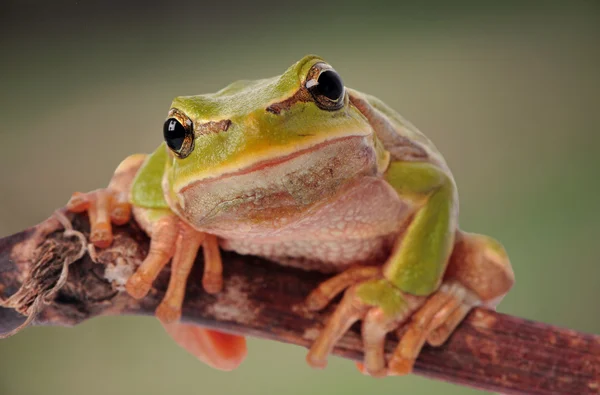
278, 169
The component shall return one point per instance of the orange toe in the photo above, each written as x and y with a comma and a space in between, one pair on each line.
78, 203
120, 214
138, 286
361, 367
400, 366
101, 235
219, 350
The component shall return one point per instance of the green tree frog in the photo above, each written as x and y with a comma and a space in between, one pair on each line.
306, 172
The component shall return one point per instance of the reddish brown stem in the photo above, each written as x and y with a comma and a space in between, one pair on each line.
489, 350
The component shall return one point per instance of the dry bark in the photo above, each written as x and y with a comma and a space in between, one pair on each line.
491, 351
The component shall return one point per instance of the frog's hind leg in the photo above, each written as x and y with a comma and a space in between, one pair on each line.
108, 205
479, 273
222, 351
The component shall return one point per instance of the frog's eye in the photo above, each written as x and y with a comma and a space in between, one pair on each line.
326, 87
179, 135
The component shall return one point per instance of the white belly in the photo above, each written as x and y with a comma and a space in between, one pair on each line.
358, 227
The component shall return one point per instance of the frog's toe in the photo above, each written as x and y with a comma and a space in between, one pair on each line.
162, 247
121, 209
173, 240
138, 285
79, 202
104, 207
377, 323
109, 205
439, 335
433, 322
99, 214
101, 235
320, 297
350, 310
168, 313
212, 281
188, 241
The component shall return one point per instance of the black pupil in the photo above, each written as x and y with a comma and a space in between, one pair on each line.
330, 85
174, 133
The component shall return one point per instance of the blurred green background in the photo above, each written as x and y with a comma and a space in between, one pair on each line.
508, 92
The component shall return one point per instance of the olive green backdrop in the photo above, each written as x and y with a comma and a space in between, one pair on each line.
509, 93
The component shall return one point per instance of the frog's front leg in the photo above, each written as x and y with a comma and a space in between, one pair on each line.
386, 297
174, 240
479, 274
170, 239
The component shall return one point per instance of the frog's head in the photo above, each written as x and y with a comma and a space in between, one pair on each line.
261, 151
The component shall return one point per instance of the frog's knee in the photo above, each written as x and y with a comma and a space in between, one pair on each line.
481, 264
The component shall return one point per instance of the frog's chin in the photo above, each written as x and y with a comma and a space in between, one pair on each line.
278, 189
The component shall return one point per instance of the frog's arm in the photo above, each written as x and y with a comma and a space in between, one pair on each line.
419, 259
219, 350
475, 268
417, 172
137, 182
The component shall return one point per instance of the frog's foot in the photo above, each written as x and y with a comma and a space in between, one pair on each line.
108, 205
479, 273
381, 306
222, 351
433, 322
172, 239
104, 207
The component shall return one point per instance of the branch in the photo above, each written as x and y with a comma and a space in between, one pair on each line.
491, 351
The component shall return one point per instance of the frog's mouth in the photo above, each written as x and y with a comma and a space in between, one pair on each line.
271, 162
279, 188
